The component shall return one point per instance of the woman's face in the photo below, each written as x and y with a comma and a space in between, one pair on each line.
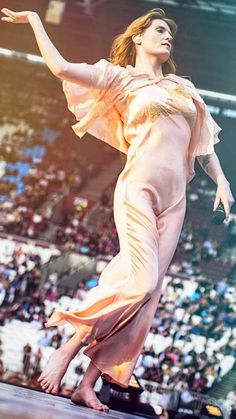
157, 39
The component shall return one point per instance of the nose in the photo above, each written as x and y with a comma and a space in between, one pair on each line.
169, 38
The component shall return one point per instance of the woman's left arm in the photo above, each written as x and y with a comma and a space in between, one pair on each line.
211, 165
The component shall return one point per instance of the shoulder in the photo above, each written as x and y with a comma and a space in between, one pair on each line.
187, 85
181, 79
105, 65
105, 75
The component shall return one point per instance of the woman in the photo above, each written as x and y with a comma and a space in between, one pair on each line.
137, 104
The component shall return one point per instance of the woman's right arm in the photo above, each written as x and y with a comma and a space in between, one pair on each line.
73, 72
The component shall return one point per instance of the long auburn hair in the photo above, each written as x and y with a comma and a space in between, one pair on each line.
123, 51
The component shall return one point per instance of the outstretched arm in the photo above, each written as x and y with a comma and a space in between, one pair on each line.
73, 72
211, 165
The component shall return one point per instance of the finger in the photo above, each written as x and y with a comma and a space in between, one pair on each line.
7, 12
227, 212
226, 208
216, 203
9, 16
5, 9
7, 19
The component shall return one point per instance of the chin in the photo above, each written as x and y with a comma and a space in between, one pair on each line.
163, 58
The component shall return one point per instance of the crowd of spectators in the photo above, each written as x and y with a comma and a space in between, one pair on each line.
103, 241
209, 313
48, 162
187, 310
29, 214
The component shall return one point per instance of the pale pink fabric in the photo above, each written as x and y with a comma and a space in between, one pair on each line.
162, 124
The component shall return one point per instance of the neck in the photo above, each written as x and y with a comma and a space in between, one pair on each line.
150, 65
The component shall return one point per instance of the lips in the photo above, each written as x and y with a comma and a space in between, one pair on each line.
167, 44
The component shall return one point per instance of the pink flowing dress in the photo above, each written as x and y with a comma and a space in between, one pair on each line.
161, 124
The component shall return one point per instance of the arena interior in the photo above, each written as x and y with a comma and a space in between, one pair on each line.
57, 231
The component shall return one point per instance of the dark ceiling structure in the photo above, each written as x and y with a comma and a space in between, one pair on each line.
83, 30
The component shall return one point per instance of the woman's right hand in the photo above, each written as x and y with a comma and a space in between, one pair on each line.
17, 17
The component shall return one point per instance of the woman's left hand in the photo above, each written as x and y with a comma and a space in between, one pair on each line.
224, 195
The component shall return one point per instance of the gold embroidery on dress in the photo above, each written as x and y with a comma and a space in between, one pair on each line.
155, 109
181, 104
181, 91
177, 102
177, 90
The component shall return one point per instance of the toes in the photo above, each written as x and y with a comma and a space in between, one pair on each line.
44, 381
46, 385
49, 387
54, 389
94, 404
105, 408
101, 408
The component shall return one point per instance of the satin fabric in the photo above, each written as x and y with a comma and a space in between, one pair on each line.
162, 124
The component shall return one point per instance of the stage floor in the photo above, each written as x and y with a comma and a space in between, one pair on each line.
23, 403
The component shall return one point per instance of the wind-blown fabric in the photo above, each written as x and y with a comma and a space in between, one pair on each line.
161, 124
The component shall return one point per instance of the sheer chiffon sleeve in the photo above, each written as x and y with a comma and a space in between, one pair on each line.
95, 106
205, 133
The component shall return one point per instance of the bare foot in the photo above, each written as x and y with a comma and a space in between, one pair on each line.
57, 365
86, 396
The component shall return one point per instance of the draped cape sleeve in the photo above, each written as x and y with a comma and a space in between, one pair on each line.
95, 106
205, 131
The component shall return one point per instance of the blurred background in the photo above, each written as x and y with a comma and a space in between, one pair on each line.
57, 231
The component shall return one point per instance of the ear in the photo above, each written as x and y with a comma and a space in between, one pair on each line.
137, 39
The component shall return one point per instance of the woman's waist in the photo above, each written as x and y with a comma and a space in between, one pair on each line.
166, 153
167, 169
